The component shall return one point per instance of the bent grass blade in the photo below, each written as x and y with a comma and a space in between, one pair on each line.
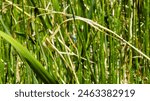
34, 64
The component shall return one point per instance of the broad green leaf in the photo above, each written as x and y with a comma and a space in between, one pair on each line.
27, 56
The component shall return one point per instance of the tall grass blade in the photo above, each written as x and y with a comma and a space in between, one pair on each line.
27, 56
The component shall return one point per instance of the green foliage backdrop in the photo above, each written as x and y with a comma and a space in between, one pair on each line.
74, 41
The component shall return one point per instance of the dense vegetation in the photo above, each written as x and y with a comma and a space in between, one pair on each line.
74, 41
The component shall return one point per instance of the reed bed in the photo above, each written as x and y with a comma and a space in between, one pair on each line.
75, 41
